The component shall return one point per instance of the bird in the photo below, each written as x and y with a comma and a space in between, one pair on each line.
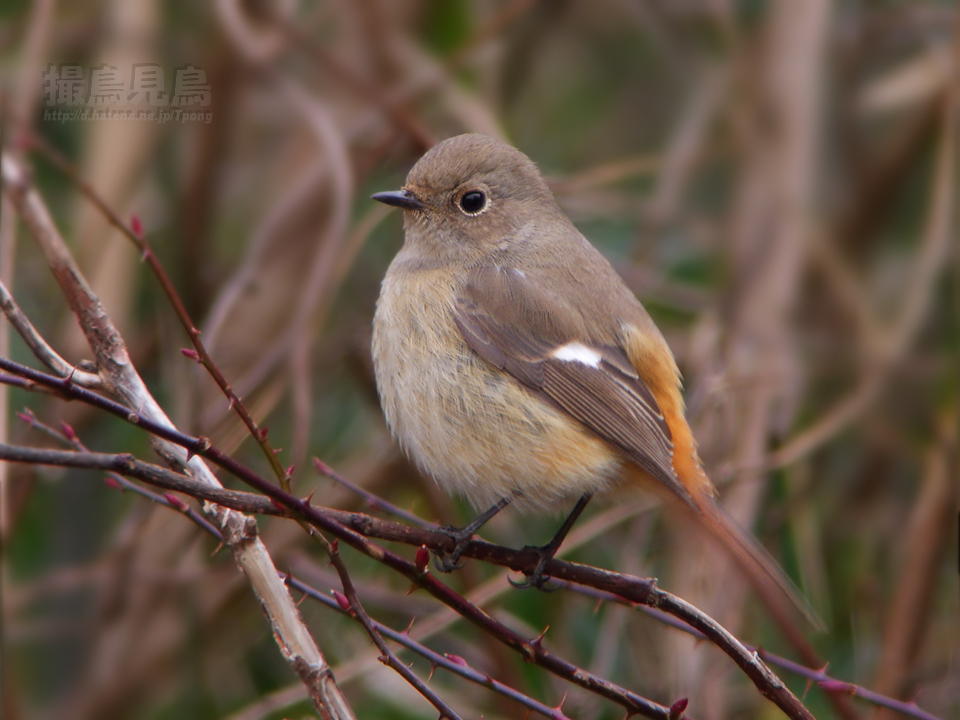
515, 367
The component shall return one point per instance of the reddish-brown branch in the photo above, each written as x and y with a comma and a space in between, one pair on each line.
434, 539
353, 528
339, 525
147, 255
387, 657
450, 663
118, 373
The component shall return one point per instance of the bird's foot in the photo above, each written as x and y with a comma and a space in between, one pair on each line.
545, 553
449, 561
538, 578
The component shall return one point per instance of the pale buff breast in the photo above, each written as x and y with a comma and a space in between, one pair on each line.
472, 428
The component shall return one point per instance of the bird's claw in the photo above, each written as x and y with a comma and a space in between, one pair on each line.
538, 578
447, 562
450, 561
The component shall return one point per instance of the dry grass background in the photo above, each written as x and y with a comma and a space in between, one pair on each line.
776, 181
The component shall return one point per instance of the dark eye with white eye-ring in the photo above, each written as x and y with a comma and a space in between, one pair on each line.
473, 202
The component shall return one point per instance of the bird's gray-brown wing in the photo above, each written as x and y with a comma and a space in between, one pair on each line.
543, 341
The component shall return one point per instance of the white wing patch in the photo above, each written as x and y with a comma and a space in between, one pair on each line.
577, 352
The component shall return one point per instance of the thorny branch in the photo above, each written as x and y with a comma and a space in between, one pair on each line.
135, 235
424, 536
421, 537
118, 374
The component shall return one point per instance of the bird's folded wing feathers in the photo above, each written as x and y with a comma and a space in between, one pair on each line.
542, 341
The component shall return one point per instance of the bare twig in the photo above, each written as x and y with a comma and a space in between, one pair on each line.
429, 537
40, 348
118, 373
342, 525
387, 657
453, 664
827, 683
525, 560
69, 437
147, 255
294, 340
372, 500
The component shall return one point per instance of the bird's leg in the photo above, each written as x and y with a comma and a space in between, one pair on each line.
446, 562
546, 552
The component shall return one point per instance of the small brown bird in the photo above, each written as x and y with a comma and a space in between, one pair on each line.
515, 367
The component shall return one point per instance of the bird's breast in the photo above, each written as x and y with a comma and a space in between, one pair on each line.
467, 424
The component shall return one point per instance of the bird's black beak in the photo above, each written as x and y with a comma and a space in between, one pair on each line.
399, 198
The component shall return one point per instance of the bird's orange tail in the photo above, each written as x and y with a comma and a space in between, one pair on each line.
759, 567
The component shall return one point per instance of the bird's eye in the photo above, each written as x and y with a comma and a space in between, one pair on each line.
473, 202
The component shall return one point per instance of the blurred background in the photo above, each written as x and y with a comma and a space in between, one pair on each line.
776, 181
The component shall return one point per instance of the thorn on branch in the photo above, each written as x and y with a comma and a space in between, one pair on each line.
559, 706
537, 642
534, 648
